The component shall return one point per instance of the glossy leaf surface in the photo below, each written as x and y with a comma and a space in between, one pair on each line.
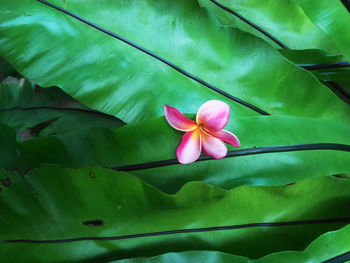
52, 203
332, 70
333, 18
284, 20
325, 248
154, 140
73, 188
108, 75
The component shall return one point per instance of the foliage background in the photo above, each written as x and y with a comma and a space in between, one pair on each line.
88, 169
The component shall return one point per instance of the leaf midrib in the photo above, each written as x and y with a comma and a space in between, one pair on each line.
163, 60
331, 65
339, 259
59, 109
185, 231
244, 152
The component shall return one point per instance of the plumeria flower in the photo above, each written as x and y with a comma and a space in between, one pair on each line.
205, 133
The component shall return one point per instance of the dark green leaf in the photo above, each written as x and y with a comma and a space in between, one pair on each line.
327, 247
34, 111
52, 203
310, 56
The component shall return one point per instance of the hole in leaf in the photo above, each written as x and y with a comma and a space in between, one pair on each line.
93, 223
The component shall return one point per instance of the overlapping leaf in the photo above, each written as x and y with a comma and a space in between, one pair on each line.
336, 75
330, 247
52, 203
333, 18
288, 26
97, 214
33, 111
144, 144
107, 74
283, 20
314, 57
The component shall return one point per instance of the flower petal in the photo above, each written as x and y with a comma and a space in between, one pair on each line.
213, 115
177, 120
213, 146
190, 147
228, 137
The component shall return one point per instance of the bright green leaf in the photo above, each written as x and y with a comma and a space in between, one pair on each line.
282, 19
333, 18
108, 75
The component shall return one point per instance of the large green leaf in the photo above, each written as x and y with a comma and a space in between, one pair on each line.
106, 74
52, 203
282, 19
333, 18
330, 246
150, 141
285, 21
33, 111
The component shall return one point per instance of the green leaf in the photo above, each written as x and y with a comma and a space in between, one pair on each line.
333, 18
52, 203
109, 75
142, 144
327, 247
282, 19
34, 111
287, 26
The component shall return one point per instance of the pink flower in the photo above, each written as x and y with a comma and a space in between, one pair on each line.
206, 132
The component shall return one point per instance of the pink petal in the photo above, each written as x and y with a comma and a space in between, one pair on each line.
213, 115
228, 137
190, 147
177, 120
213, 146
